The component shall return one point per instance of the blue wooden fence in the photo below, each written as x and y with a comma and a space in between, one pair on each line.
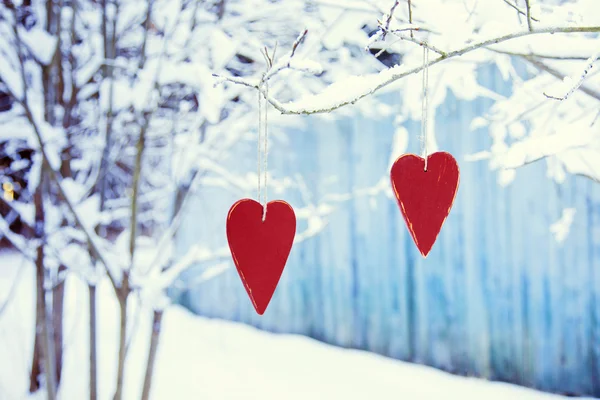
497, 297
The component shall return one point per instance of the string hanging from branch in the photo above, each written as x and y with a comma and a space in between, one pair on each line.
261, 242
425, 186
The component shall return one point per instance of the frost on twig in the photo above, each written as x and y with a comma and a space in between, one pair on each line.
275, 66
521, 12
388, 20
568, 80
385, 28
298, 41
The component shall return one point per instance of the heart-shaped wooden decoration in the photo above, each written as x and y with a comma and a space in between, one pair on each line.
425, 197
260, 248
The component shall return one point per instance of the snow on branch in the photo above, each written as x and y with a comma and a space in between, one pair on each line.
560, 229
578, 82
275, 66
384, 29
91, 237
18, 242
354, 88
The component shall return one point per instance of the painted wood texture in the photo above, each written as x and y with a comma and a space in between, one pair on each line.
260, 248
497, 296
425, 196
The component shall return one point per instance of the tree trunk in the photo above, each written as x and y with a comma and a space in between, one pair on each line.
58, 295
43, 340
154, 341
123, 297
93, 345
36, 363
47, 341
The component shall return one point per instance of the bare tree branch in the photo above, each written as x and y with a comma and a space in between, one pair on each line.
410, 17
389, 17
578, 85
420, 43
521, 12
541, 56
528, 15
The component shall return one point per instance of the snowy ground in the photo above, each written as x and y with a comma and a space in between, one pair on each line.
209, 359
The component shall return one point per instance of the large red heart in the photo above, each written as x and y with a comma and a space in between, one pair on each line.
260, 248
425, 197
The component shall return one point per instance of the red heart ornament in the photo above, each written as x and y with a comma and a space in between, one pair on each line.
260, 248
425, 197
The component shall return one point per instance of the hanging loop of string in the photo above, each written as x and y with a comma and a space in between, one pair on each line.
263, 147
258, 152
425, 105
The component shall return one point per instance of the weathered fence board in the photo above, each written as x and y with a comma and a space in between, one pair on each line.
497, 297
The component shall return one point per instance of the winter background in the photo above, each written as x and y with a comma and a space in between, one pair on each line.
129, 127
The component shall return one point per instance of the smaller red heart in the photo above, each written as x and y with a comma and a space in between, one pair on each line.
425, 197
260, 248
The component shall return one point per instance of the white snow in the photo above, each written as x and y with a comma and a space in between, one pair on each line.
199, 358
41, 44
344, 91
560, 229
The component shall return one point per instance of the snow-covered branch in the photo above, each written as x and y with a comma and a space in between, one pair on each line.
50, 165
355, 88
582, 76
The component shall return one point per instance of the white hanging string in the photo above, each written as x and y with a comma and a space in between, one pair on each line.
266, 152
425, 105
258, 153
262, 148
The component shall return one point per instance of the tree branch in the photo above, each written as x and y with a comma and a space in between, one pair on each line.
141, 145
389, 17
579, 85
528, 16
389, 76
420, 43
410, 19
542, 56
520, 11
54, 174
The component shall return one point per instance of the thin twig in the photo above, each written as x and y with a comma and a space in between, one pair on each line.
298, 42
595, 119
410, 19
540, 65
541, 56
579, 82
421, 43
520, 11
380, 52
529, 25
388, 20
